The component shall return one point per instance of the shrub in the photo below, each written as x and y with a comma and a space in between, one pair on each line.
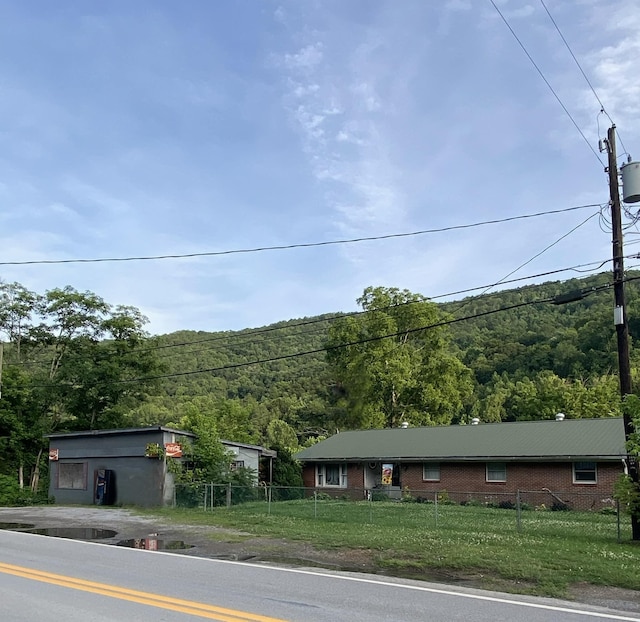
378, 495
475, 503
443, 497
407, 497
12, 495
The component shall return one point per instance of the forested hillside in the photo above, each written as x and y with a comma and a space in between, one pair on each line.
72, 361
564, 352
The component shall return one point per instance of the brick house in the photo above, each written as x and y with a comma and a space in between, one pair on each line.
570, 462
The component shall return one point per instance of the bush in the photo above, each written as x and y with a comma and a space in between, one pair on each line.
378, 495
443, 497
475, 503
189, 495
12, 495
407, 497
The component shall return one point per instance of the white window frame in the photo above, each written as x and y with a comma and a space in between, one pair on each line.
585, 470
429, 469
492, 471
321, 475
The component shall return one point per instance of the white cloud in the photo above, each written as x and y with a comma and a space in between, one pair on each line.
306, 58
159, 130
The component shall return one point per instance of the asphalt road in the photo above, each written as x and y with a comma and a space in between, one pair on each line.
78, 581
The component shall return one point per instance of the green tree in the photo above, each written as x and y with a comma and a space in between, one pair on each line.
393, 363
627, 489
75, 363
281, 435
209, 460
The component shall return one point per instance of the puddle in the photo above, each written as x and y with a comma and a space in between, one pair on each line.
16, 526
74, 533
153, 544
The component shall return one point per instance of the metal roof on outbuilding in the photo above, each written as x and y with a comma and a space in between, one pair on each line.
601, 439
119, 431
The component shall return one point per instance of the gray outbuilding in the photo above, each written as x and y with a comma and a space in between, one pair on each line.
106, 467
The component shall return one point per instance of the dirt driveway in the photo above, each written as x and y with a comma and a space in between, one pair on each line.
126, 528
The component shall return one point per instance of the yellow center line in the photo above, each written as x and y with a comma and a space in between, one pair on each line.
146, 598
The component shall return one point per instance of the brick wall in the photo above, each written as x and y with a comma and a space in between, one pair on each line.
466, 481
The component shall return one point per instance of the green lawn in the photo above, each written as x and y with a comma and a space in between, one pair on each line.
543, 555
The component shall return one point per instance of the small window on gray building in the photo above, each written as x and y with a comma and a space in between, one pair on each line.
72, 475
585, 473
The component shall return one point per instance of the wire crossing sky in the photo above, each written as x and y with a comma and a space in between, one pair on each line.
148, 129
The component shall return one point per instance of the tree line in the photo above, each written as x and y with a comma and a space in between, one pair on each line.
72, 361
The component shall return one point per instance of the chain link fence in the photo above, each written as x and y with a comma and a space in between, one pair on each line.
540, 511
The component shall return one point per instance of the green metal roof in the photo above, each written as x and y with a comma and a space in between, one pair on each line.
523, 440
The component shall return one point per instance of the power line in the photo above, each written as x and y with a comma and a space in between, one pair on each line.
533, 62
329, 318
355, 313
343, 345
584, 75
293, 246
544, 250
307, 352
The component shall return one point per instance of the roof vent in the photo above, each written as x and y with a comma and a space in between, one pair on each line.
404, 425
560, 417
475, 421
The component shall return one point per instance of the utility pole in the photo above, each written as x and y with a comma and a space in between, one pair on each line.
620, 313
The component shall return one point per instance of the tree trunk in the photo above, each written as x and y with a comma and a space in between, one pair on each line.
35, 478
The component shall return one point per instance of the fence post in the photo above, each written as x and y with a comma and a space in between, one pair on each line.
435, 504
269, 499
229, 495
204, 505
618, 519
315, 504
518, 511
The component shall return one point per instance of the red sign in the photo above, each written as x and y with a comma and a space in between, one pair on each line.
53, 454
173, 450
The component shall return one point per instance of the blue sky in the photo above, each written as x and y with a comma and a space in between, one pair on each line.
156, 127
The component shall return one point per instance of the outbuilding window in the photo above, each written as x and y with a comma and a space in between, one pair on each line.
331, 475
496, 471
585, 473
431, 472
72, 475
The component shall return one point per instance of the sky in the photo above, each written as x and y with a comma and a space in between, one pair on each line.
155, 127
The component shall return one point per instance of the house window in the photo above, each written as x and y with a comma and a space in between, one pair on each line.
331, 476
585, 473
431, 472
237, 464
496, 471
72, 475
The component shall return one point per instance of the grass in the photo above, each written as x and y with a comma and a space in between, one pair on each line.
549, 552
